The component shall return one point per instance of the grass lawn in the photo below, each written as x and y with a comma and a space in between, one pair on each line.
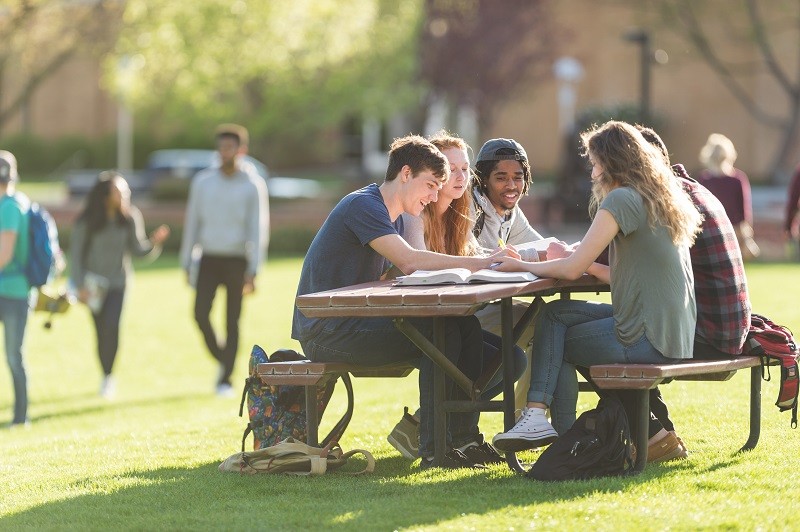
148, 459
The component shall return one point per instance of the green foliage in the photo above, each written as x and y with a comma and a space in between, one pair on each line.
291, 241
148, 460
284, 73
37, 155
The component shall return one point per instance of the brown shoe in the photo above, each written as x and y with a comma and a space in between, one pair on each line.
666, 448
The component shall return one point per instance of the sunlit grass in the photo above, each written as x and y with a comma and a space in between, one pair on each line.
148, 460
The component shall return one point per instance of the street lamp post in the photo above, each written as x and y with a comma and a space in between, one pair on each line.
127, 68
642, 38
568, 71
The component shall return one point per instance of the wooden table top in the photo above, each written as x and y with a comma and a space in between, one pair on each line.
383, 299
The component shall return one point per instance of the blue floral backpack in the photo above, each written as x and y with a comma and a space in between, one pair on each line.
279, 412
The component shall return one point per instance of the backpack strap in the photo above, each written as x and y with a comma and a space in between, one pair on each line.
480, 214
338, 429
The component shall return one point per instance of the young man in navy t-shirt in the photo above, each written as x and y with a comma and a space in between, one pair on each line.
356, 244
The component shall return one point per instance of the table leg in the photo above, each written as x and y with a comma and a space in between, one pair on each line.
435, 352
507, 328
439, 396
442, 368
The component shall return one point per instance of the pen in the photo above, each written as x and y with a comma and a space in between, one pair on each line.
501, 243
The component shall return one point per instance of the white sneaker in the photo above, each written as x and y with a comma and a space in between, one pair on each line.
531, 431
224, 390
108, 388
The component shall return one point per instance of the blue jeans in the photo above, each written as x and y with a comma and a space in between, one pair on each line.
376, 342
14, 315
577, 333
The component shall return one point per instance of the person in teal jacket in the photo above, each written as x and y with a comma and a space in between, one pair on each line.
15, 292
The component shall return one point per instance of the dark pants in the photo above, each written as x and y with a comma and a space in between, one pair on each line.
376, 341
228, 272
106, 326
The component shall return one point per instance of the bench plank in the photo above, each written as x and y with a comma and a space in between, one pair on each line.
609, 374
273, 372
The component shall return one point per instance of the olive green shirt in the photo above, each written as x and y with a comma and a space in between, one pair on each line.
652, 285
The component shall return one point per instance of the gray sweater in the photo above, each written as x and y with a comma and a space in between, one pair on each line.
109, 250
227, 216
513, 229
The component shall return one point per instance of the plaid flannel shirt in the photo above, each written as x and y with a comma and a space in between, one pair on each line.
723, 306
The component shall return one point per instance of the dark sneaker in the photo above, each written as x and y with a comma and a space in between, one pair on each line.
453, 459
482, 452
405, 436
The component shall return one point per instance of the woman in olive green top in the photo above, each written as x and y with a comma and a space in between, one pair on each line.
107, 233
649, 222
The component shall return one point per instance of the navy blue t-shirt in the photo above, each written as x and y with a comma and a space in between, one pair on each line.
340, 255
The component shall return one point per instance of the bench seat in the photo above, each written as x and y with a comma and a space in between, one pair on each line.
646, 376
310, 375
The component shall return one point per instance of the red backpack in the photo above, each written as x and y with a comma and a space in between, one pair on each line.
776, 346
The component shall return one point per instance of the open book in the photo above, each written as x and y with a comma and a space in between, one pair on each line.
463, 276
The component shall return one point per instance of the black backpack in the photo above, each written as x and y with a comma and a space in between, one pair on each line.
597, 445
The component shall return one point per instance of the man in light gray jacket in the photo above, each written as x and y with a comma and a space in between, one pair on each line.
227, 227
502, 177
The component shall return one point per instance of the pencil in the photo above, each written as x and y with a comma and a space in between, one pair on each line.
501, 243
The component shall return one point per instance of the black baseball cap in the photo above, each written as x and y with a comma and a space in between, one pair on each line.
501, 150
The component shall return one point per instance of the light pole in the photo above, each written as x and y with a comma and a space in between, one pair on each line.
568, 72
127, 68
642, 38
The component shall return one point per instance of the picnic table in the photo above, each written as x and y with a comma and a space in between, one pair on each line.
384, 299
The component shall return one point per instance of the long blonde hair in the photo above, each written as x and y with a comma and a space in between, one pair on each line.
453, 235
628, 160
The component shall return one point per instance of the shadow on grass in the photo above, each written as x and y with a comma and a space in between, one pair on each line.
88, 403
397, 496
93, 405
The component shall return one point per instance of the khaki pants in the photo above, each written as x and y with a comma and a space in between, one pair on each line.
489, 317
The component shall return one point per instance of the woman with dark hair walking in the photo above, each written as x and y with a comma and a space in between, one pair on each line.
107, 233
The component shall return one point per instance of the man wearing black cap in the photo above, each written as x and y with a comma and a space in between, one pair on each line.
14, 287
503, 177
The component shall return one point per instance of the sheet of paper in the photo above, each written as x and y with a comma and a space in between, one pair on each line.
538, 245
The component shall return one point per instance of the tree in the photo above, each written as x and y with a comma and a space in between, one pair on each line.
41, 36
749, 27
480, 51
284, 68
